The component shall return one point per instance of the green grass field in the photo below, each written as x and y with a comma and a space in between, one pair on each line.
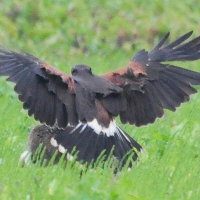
104, 35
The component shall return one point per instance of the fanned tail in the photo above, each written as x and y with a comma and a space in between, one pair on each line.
90, 144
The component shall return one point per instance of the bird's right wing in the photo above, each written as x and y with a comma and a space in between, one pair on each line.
46, 92
150, 85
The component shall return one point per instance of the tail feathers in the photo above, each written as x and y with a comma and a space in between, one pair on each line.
90, 145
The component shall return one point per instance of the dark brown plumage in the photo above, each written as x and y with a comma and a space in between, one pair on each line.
138, 93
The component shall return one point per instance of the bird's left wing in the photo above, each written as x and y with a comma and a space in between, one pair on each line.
150, 86
46, 92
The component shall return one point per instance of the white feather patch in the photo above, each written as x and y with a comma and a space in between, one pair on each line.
110, 131
83, 128
61, 149
120, 131
53, 142
74, 129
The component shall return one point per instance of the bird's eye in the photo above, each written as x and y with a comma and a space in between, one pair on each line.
74, 71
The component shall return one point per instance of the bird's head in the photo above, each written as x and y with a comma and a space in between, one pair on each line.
81, 70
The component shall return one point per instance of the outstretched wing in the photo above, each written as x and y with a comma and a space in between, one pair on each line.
46, 92
150, 86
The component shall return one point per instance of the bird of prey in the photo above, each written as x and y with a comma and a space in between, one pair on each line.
80, 109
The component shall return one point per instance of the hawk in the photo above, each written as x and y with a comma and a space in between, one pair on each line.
79, 110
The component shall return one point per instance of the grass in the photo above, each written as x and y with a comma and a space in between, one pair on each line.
104, 35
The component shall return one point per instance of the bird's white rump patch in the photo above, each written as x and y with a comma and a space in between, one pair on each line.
112, 130
99, 129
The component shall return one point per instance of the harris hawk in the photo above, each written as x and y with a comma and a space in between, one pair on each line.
78, 111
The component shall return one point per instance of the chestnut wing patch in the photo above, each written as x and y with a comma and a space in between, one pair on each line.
46, 92
150, 86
